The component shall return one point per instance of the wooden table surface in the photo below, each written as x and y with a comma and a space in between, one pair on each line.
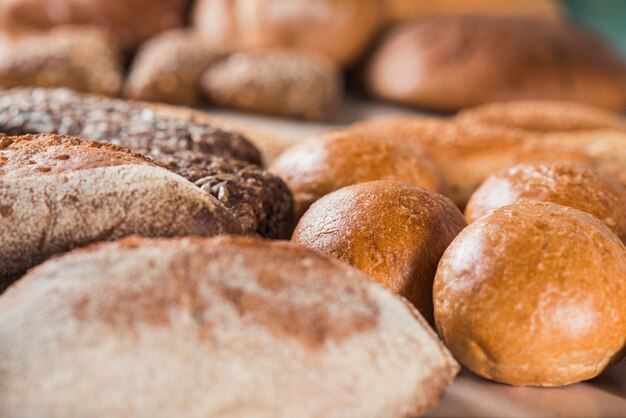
471, 396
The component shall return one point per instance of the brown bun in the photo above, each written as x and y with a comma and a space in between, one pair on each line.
167, 68
533, 295
469, 153
400, 10
542, 116
80, 58
213, 328
59, 193
321, 165
339, 29
447, 64
280, 82
570, 184
129, 21
394, 232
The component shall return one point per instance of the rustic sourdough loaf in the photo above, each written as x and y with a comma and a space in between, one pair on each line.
395, 232
223, 327
58, 193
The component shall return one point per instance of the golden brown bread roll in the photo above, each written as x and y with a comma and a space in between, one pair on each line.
80, 58
394, 232
570, 184
321, 165
400, 10
213, 328
542, 116
451, 63
280, 82
533, 295
338, 29
59, 193
469, 153
167, 68
129, 21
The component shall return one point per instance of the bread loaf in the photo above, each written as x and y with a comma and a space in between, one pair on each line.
280, 82
542, 116
451, 63
321, 165
167, 68
129, 21
202, 328
59, 193
80, 58
338, 29
570, 184
394, 232
533, 295
469, 153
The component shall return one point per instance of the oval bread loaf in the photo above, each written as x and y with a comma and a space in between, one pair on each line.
203, 328
58, 193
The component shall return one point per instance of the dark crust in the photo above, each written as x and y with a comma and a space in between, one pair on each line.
132, 125
261, 201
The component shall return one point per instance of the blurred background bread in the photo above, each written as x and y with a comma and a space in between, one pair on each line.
337, 29
321, 165
533, 295
394, 232
226, 327
570, 184
449, 63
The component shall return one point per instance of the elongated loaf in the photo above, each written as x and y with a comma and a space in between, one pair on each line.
468, 153
58, 193
202, 328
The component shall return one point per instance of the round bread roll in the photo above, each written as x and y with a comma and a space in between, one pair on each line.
280, 82
542, 116
394, 232
59, 193
533, 295
321, 165
80, 58
447, 64
129, 21
212, 328
339, 29
570, 184
167, 68
401, 10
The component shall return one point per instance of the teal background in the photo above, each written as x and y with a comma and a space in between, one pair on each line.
608, 17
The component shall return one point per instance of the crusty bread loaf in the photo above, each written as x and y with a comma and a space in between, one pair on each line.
469, 153
129, 21
319, 166
402, 10
451, 63
167, 68
394, 232
339, 29
280, 82
570, 184
542, 116
80, 58
59, 193
533, 295
208, 328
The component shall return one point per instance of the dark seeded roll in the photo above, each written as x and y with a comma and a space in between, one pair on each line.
133, 125
261, 201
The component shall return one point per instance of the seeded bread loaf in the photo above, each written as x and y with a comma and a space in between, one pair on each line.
167, 68
59, 193
280, 82
80, 58
213, 328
